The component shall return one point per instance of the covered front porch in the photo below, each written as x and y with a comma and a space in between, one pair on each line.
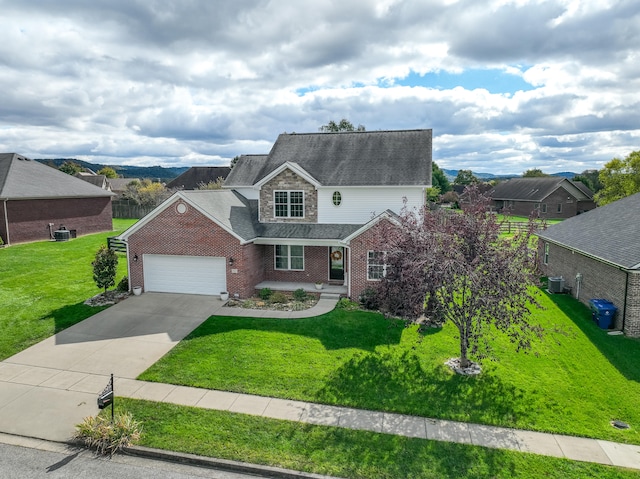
308, 287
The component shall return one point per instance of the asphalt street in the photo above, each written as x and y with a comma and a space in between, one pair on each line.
17, 462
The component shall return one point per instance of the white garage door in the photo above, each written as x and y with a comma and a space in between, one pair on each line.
184, 274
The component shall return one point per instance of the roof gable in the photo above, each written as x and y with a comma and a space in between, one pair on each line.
289, 166
609, 233
194, 176
227, 209
22, 178
536, 189
390, 158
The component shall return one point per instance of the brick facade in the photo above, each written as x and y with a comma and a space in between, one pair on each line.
568, 204
192, 234
289, 181
359, 249
29, 219
599, 280
316, 266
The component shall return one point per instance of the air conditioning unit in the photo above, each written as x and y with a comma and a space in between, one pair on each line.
556, 284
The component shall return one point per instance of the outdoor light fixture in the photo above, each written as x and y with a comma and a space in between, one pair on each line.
231, 261
135, 258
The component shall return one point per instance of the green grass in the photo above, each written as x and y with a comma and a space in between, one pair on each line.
340, 452
43, 286
579, 382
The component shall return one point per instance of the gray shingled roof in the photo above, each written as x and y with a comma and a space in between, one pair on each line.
229, 208
194, 176
307, 231
610, 233
400, 158
22, 179
536, 189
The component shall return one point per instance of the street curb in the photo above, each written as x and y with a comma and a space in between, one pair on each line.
222, 464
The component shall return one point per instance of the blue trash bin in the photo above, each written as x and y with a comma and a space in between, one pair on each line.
603, 312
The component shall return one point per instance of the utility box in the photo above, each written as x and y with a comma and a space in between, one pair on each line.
556, 284
603, 312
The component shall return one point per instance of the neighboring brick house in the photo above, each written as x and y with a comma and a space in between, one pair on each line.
36, 200
550, 196
598, 256
306, 212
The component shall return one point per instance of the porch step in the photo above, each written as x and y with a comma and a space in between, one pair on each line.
329, 296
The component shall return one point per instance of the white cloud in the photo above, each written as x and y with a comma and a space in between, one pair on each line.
167, 82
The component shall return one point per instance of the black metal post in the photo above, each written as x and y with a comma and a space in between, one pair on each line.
112, 401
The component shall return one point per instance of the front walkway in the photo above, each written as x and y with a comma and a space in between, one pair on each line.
49, 388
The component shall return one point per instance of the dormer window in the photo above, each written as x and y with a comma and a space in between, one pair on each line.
288, 204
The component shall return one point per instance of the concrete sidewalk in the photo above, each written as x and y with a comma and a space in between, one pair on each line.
49, 388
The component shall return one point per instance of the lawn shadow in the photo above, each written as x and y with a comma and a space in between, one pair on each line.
621, 351
71, 314
400, 382
335, 330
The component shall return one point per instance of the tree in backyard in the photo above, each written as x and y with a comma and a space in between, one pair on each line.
619, 178
108, 172
439, 179
591, 179
211, 185
70, 168
105, 266
534, 173
233, 161
465, 177
343, 125
455, 266
146, 193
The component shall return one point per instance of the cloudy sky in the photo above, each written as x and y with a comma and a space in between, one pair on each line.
505, 85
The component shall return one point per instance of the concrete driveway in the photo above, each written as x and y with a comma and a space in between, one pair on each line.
48, 388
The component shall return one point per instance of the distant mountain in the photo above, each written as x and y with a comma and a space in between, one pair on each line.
451, 175
151, 172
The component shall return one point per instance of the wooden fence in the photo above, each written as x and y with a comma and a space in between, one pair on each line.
129, 209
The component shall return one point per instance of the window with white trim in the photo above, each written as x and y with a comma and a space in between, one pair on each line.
546, 253
376, 266
288, 204
289, 257
559, 209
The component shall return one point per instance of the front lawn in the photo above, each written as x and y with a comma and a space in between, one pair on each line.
43, 286
580, 381
341, 452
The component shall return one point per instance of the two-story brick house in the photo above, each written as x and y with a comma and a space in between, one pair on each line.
307, 212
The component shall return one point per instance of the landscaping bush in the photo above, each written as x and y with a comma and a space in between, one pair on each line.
300, 295
265, 293
123, 285
279, 297
347, 305
97, 432
369, 299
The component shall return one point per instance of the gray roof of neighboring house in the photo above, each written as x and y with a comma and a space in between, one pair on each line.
610, 233
98, 180
194, 176
537, 189
390, 158
120, 184
22, 178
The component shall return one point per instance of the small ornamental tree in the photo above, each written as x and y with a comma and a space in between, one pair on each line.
454, 266
104, 267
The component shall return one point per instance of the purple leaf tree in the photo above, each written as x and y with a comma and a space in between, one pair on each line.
455, 266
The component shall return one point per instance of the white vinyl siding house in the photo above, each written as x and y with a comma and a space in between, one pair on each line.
359, 205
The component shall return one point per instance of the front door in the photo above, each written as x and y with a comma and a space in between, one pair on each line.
336, 263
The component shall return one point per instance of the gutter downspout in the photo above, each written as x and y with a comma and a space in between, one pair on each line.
626, 291
6, 221
129, 268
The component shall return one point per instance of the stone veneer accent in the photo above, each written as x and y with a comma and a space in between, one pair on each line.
289, 181
599, 280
